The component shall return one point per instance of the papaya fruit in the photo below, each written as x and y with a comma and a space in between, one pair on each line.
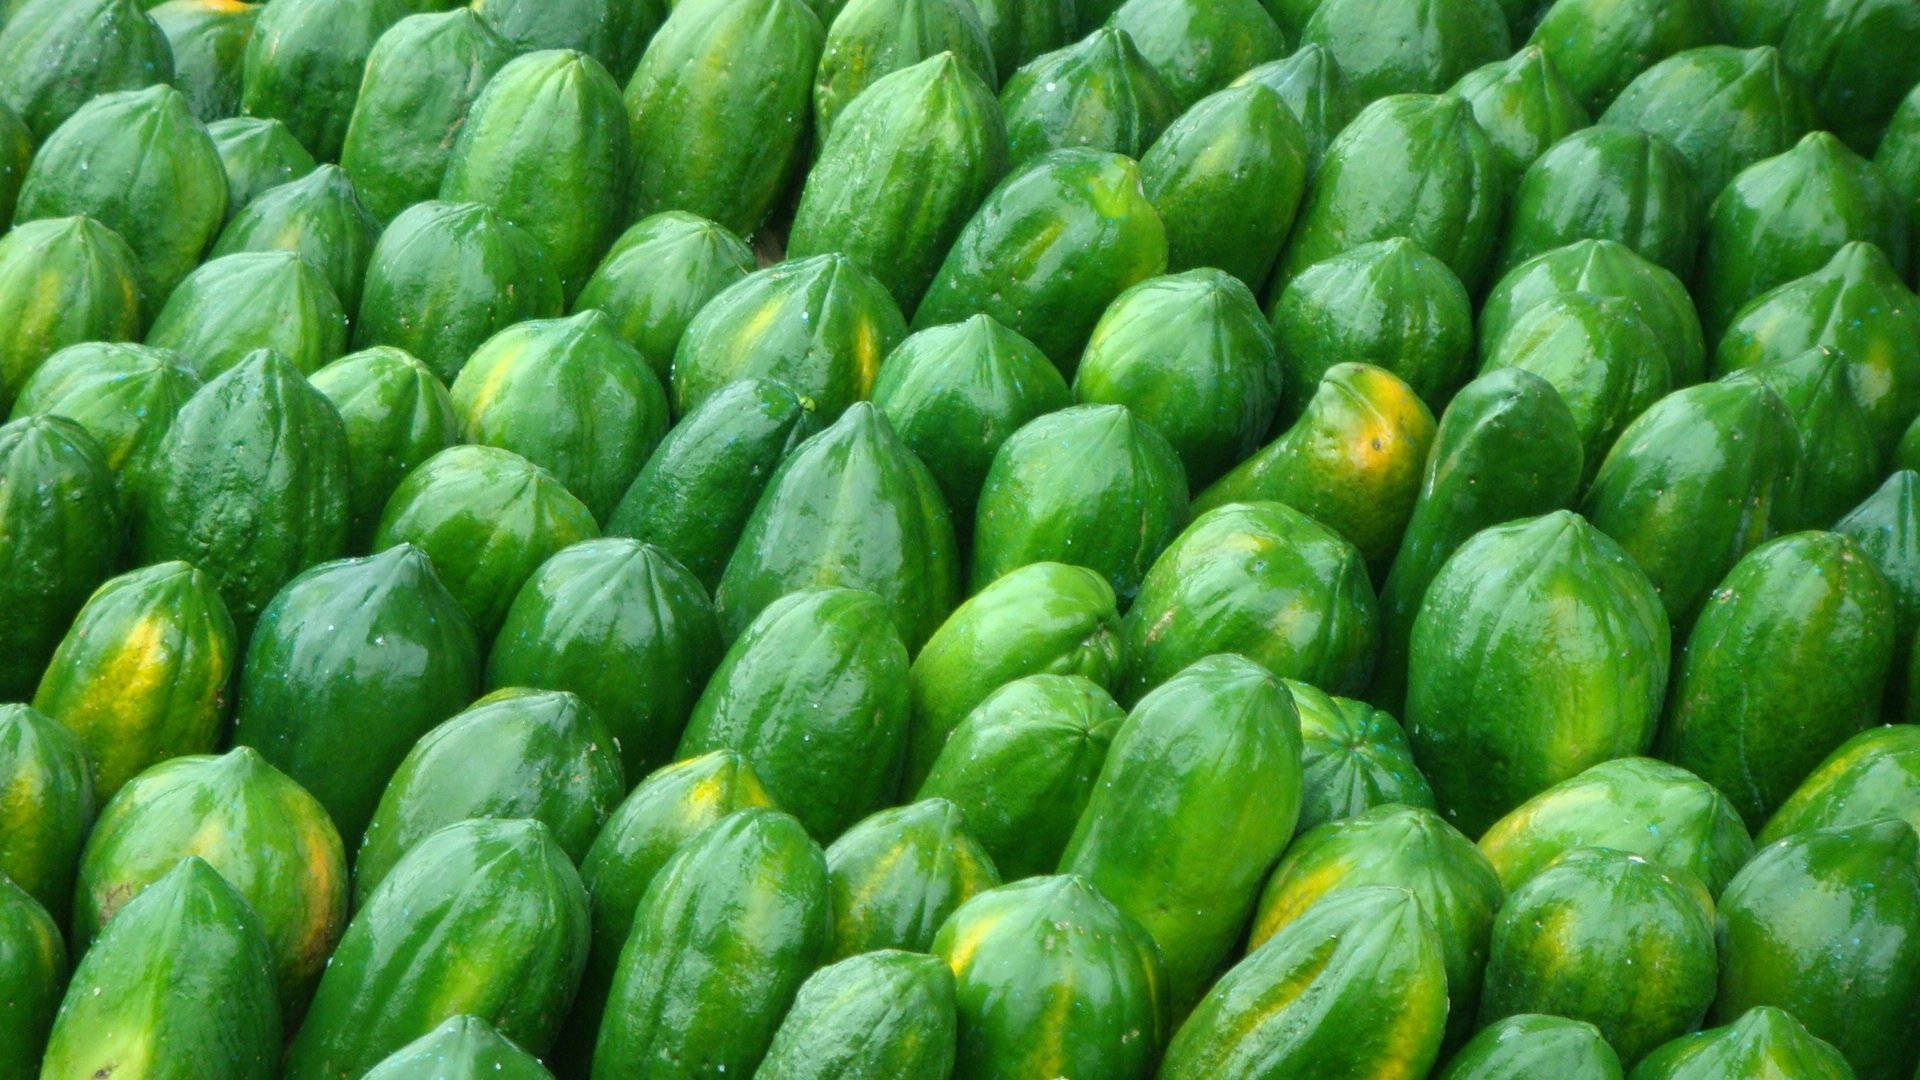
1098, 93
658, 275
1600, 47
1534, 1044
1838, 458
1857, 57
289, 310
1523, 105
896, 875
1019, 30
1311, 84
318, 216
208, 40
868, 40
1353, 757
1199, 47
1885, 527
123, 395
256, 153
46, 806
1608, 269
1606, 182
1407, 46
613, 32
56, 57
885, 1015
1764, 1041
63, 282
33, 966
1869, 777
397, 414
462, 1048
304, 64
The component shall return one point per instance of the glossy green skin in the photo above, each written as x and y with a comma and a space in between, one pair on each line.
1226, 178
445, 277
621, 624
1191, 356
33, 968
233, 305
142, 674
1885, 527
337, 709
504, 890
1260, 579
320, 217
1531, 1045
1871, 776
546, 145
1599, 46
422, 78
894, 877
1494, 719
1855, 305
955, 393
304, 64
694, 495
1858, 59
397, 414
1353, 758
487, 518
1523, 105
905, 167
871, 39
1597, 910
208, 38
1698, 480
657, 277
613, 32
256, 153
63, 281
569, 395
819, 325
1077, 207
1351, 461
1199, 47
16, 152
57, 57
1839, 463
137, 1004
1022, 766
121, 394
60, 535
1407, 46
1412, 165
1606, 183
851, 507
1020, 30
1766, 1043
885, 1015
1385, 303
711, 134
1722, 107
463, 1048
724, 938
1898, 158
1821, 925
1105, 97
1355, 987
1608, 269
258, 829
46, 805
1310, 83
1021, 953
814, 694
1786, 661
1637, 805
1506, 448
1199, 794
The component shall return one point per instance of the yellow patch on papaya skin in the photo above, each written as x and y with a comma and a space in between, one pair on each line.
1301, 892
136, 673
495, 379
967, 942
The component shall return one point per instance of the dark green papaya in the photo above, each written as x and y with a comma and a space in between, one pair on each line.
850, 507
123, 395
1263, 580
397, 414
657, 277
33, 968
63, 281
463, 1048
905, 167
422, 78
1599, 46
1523, 105
1907, 453
258, 829
304, 64
142, 674
1765, 1041
1839, 462
500, 888
1494, 719
869, 40
1614, 939
1606, 183
229, 307
1858, 59
60, 536
137, 1004
1353, 757
1098, 93
1407, 46
886, 1015
208, 39
814, 694
1313, 88
1871, 776
1017, 952
729, 930
1357, 986
820, 325
46, 806
1529, 1045
719, 106
1078, 207
1020, 30
1412, 165
1898, 158
1199, 794
445, 277
1821, 925
695, 493
256, 153
16, 153
56, 56
613, 32
1885, 527
896, 875
1608, 269
320, 217
1199, 47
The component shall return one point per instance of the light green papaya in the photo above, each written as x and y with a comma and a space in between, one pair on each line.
46, 807
1311, 84
1764, 1042
869, 40
613, 32
1353, 757
397, 414
658, 275
208, 39
121, 394
304, 64
1097, 93
61, 534
55, 57
886, 1015
1523, 105
896, 875
1608, 269
1869, 777
1599, 47
33, 968
1606, 182
231, 306
1199, 47
463, 1048
256, 153
1885, 527
1839, 462
320, 217
1527, 1045
1407, 46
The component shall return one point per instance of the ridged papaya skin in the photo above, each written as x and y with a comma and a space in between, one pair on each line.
137, 1003
208, 40
256, 153
1858, 58
1493, 720
289, 309
1018, 951
33, 968
445, 277
258, 829
1523, 105
1020, 30
305, 61
1885, 527
695, 493
502, 887
851, 507
46, 807
63, 281
725, 147
1197, 797
337, 709
1601, 47
1022, 766
142, 674
1821, 924
123, 395
320, 217
1353, 757
1260, 579
57, 57
886, 1015
1765, 1042
658, 275
463, 1048
1872, 776
1104, 97
60, 536
1637, 805
896, 875
1081, 207
397, 414
1528, 1045
1839, 463
1355, 987
1606, 183
613, 32
814, 694
1407, 46
422, 77
868, 40
487, 518
724, 938
1199, 47
1315, 90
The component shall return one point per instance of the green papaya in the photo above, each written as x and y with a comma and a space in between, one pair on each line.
208, 40
1199, 47
63, 281
657, 277
33, 968
1885, 527
304, 64
1529, 1045
46, 807
1606, 183
1858, 59
1353, 758
55, 57
1020, 30
463, 1048
613, 32
869, 40
1898, 158
896, 875
1609, 269
60, 536
1098, 93
121, 394
1764, 1041
16, 153
1315, 90
1907, 453
1407, 46
1600, 46
231, 306
1839, 462
256, 153
321, 218
886, 1015
1523, 105
396, 414
1869, 777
